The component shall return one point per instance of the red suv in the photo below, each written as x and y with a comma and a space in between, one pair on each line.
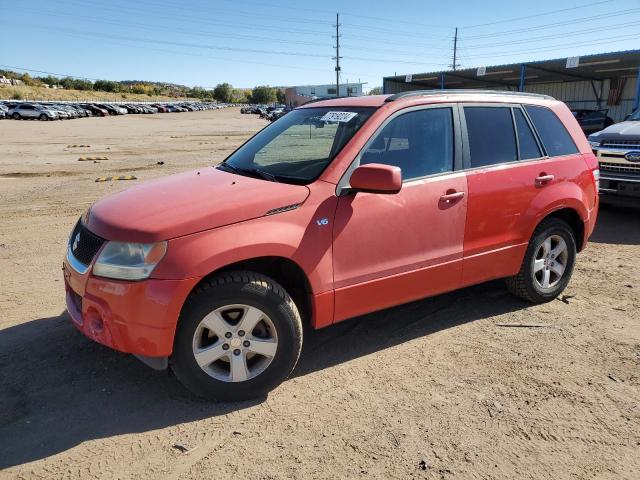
340, 208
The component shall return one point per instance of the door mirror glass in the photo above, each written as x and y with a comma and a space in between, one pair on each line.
376, 178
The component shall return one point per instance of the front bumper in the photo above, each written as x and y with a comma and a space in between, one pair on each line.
623, 184
133, 317
618, 176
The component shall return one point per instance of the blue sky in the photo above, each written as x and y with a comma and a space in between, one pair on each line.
284, 42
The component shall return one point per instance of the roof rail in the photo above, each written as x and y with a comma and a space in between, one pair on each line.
414, 93
320, 99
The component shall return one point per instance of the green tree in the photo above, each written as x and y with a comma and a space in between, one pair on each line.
223, 93
50, 80
263, 94
375, 91
280, 96
106, 86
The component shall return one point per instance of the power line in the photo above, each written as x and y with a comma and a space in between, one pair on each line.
556, 24
197, 19
203, 46
515, 19
558, 47
547, 37
349, 14
234, 13
190, 31
166, 42
22, 69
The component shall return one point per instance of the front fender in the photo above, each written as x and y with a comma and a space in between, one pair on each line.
297, 235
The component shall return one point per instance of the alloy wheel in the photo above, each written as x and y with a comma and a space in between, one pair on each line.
235, 343
550, 262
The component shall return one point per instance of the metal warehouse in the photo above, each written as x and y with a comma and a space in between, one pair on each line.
602, 81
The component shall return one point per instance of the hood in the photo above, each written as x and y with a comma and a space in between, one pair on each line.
618, 131
186, 203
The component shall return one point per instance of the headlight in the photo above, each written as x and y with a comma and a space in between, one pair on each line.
129, 261
593, 142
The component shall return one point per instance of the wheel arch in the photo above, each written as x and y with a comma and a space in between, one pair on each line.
572, 217
281, 269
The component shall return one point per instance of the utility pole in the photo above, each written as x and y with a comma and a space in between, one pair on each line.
455, 50
337, 57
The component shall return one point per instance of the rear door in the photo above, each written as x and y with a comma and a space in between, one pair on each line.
391, 249
509, 165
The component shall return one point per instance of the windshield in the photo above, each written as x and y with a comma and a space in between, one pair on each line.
635, 115
299, 146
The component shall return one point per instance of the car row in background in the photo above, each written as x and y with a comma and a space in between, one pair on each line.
18, 110
268, 112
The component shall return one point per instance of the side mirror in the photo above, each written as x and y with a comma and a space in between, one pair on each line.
376, 178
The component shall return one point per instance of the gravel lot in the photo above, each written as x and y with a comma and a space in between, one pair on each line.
433, 389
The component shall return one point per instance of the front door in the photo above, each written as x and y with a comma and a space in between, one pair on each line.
390, 249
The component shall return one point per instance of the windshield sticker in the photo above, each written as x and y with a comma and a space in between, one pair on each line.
339, 116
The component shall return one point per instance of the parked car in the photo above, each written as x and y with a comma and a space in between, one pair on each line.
62, 114
95, 110
618, 151
378, 201
592, 121
31, 111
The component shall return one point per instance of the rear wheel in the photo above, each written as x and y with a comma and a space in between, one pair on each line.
239, 336
16, 116
548, 263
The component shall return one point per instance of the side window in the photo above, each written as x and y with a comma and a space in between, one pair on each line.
491, 136
419, 142
526, 141
554, 136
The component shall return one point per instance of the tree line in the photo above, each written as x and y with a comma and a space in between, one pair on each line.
223, 92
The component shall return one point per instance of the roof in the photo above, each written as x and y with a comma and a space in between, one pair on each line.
590, 67
363, 101
433, 96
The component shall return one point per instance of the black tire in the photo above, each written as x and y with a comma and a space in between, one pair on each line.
16, 116
43, 117
524, 285
238, 287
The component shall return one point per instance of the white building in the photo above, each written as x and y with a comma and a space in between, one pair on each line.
303, 93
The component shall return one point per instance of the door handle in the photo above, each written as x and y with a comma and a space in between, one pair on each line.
543, 179
451, 197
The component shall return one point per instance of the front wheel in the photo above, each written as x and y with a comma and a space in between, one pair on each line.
16, 116
43, 117
239, 337
548, 263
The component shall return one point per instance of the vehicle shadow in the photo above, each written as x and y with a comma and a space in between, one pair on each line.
617, 225
60, 389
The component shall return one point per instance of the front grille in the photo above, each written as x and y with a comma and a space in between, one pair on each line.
83, 244
616, 167
626, 144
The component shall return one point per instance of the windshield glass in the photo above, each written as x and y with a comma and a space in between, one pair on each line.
635, 115
298, 147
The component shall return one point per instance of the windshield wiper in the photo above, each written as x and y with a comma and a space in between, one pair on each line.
252, 172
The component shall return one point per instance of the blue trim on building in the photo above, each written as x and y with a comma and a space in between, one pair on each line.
636, 101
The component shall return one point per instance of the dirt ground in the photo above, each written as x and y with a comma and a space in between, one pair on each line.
433, 389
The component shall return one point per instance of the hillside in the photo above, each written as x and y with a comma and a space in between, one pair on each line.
23, 92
